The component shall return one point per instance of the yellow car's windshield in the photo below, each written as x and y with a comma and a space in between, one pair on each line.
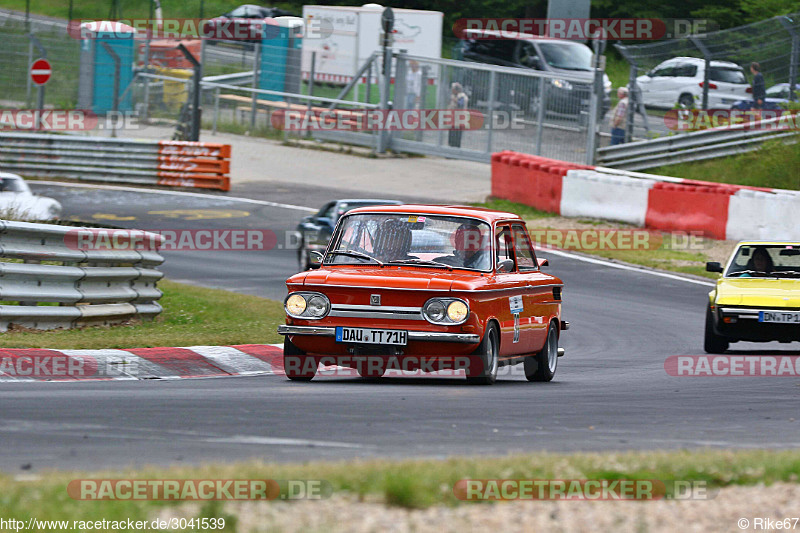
765, 261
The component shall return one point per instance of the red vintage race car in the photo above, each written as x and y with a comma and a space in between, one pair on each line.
421, 287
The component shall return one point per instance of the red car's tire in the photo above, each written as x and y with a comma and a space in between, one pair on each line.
296, 364
488, 351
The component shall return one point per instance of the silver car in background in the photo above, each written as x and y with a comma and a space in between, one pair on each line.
17, 202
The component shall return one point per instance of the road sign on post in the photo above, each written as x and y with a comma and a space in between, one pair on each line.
41, 71
387, 24
40, 74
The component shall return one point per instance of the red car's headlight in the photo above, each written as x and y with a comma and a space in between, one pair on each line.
307, 305
445, 311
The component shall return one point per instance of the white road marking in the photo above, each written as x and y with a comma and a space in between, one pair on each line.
270, 441
179, 193
625, 267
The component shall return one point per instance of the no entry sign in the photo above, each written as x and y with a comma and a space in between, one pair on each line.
40, 71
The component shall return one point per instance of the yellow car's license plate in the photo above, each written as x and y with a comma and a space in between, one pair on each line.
779, 317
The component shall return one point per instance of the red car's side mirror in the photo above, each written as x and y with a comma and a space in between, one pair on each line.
542, 262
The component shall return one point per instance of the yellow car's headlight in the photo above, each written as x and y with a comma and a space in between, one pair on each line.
457, 311
295, 305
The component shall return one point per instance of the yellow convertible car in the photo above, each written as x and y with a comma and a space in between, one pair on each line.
757, 298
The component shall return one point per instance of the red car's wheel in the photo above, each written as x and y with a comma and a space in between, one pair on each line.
542, 366
297, 365
487, 351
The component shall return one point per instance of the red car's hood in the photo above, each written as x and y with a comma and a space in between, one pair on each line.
387, 277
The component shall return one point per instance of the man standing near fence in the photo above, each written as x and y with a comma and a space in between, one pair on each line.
618, 118
413, 85
759, 87
458, 100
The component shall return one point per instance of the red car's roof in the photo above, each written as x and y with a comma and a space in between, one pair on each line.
489, 215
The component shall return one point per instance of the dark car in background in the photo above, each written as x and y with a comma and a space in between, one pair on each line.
316, 230
240, 20
552, 56
777, 98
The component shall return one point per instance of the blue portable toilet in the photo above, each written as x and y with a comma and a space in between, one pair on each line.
280, 56
96, 79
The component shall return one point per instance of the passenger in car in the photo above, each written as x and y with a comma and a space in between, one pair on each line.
470, 249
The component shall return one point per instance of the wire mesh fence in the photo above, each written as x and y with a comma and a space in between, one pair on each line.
22, 45
250, 86
711, 70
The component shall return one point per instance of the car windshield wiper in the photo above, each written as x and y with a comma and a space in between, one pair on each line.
421, 262
789, 272
359, 255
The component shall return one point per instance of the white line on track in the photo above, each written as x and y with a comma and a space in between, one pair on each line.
625, 267
312, 210
179, 193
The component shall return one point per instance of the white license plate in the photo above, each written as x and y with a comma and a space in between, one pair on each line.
778, 317
371, 336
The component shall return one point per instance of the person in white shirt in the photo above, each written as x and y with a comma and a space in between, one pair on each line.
618, 118
413, 85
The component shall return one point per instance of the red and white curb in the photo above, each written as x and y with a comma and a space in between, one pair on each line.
140, 363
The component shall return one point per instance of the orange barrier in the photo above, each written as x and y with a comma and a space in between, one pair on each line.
194, 164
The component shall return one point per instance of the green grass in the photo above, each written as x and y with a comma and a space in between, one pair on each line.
405, 483
192, 316
618, 71
525, 211
102, 9
774, 165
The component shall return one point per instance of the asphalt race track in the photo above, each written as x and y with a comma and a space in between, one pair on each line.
611, 390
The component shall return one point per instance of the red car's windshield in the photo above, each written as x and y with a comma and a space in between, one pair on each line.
433, 240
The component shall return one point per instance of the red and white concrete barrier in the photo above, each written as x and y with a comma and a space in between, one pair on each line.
718, 210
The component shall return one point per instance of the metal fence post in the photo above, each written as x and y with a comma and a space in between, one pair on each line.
383, 137
216, 109
492, 88
707, 56
540, 115
256, 74
423, 96
787, 23
28, 78
196, 78
311, 73
594, 108
630, 112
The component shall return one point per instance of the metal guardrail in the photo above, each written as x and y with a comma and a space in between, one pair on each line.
169, 163
104, 285
694, 146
